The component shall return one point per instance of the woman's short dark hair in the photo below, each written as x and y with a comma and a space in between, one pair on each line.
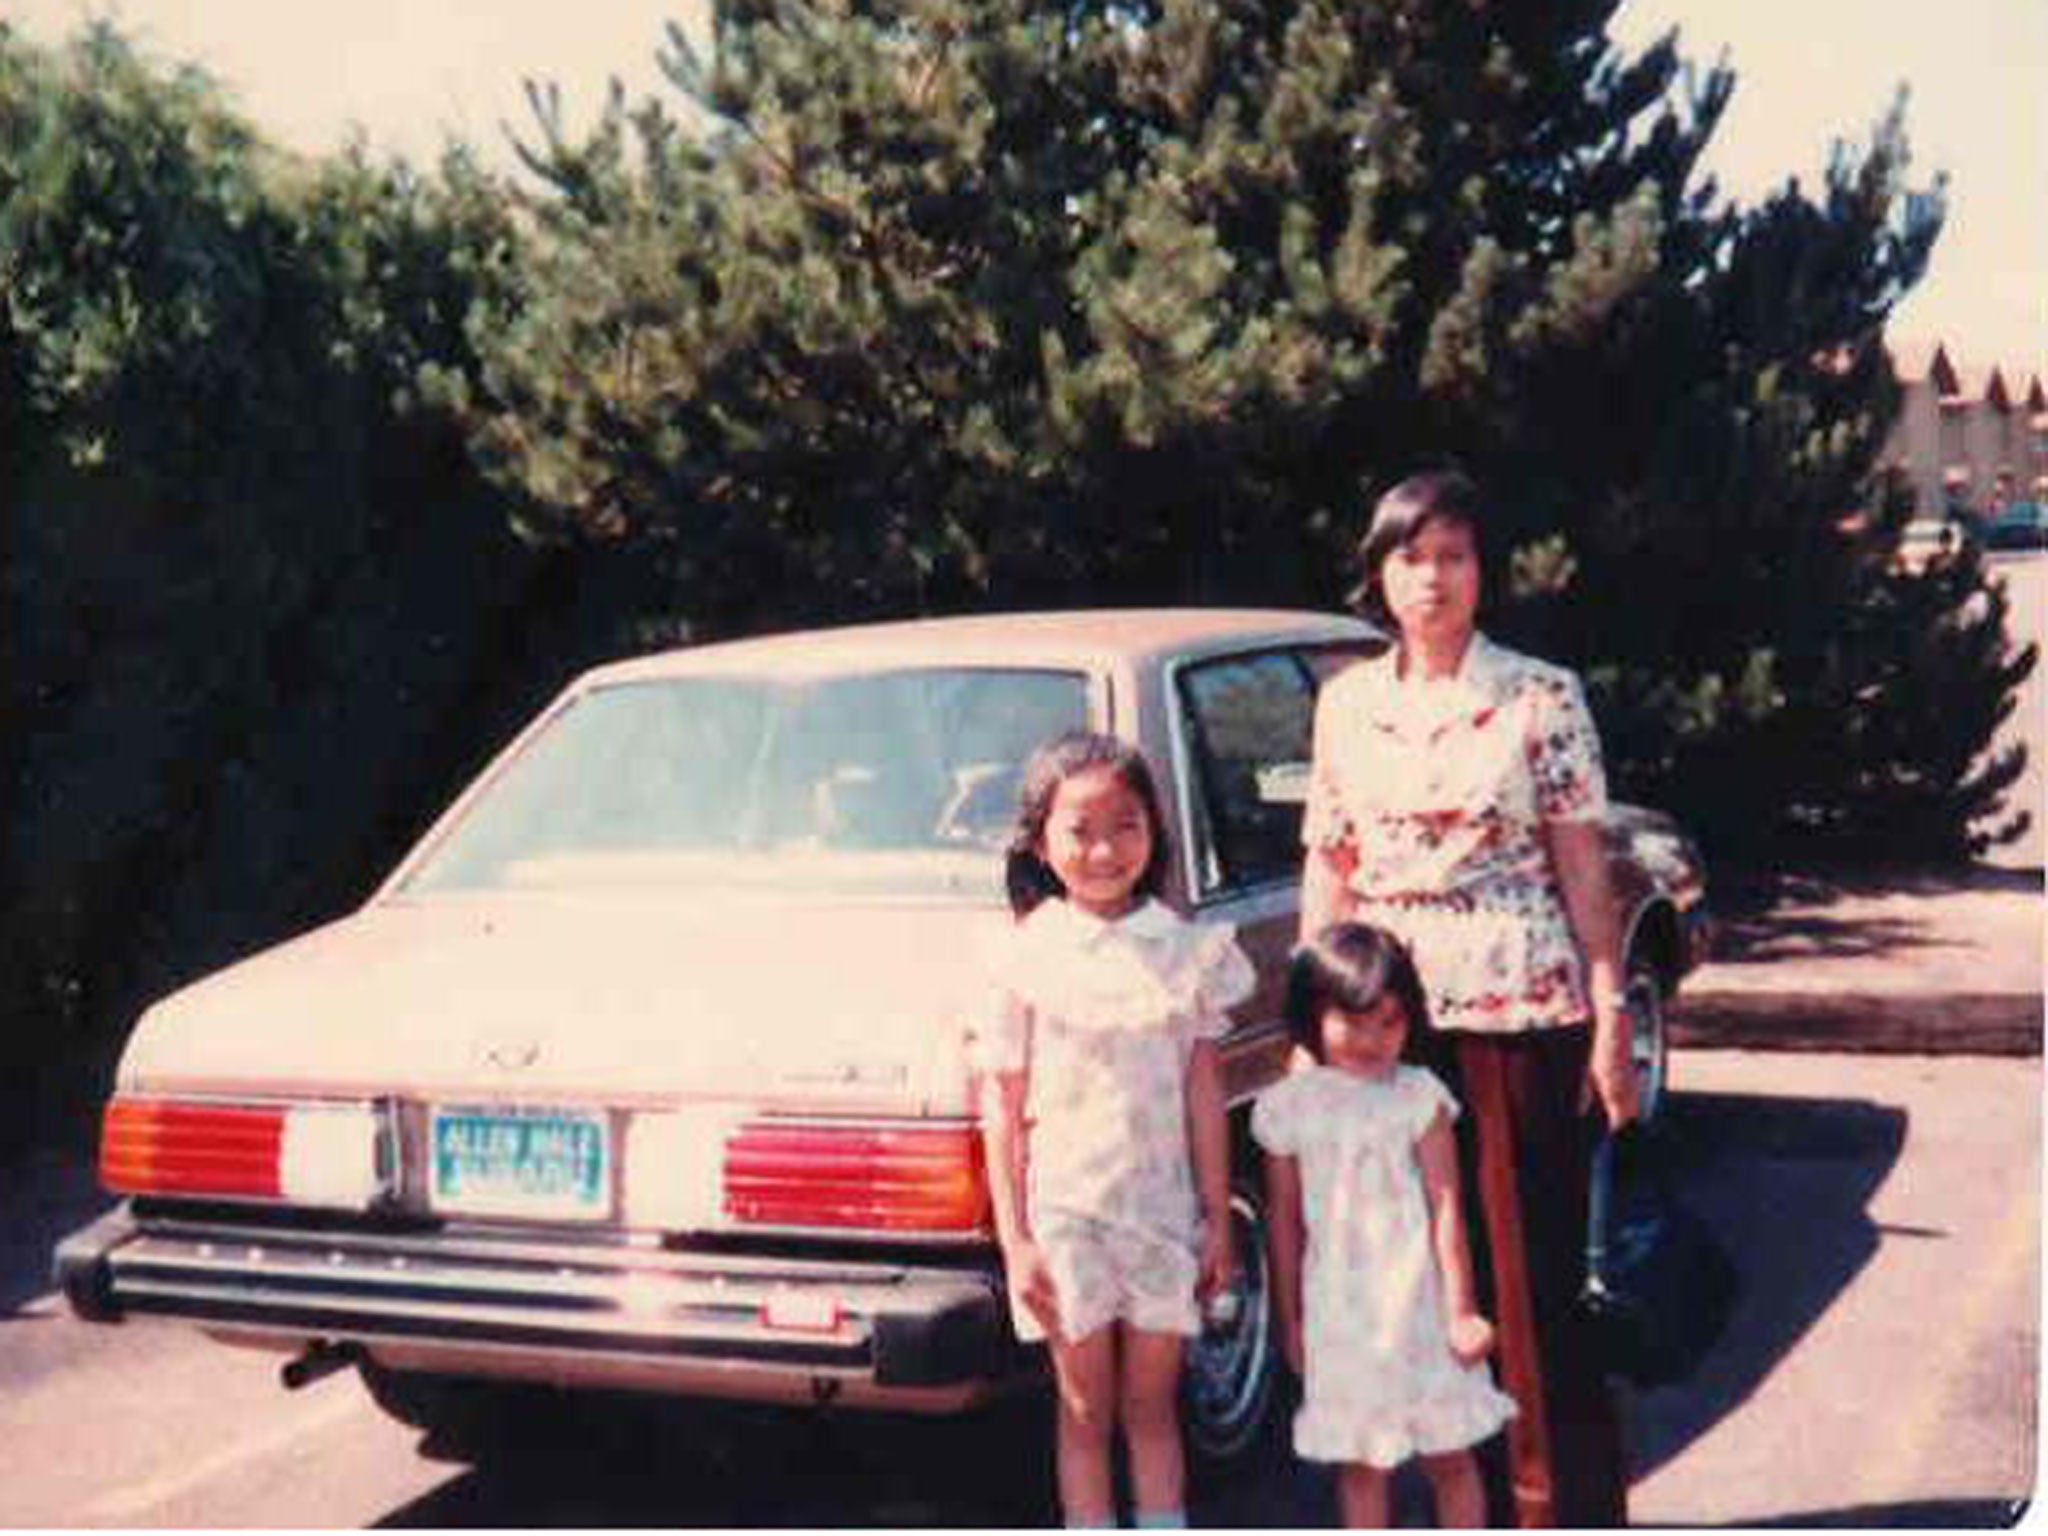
1352, 966
1027, 879
1399, 515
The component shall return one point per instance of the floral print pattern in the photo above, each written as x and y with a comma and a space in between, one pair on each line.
1381, 1382
1106, 1270
1437, 794
1102, 1017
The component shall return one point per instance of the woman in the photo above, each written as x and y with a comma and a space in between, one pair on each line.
1456, 800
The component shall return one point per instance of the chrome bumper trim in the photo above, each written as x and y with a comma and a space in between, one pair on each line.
894, 1324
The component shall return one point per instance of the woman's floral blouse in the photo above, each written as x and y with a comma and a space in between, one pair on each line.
1435, 795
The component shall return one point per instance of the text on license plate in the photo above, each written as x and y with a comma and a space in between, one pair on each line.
521, 1162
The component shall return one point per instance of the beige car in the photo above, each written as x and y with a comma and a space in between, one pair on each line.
645, 1070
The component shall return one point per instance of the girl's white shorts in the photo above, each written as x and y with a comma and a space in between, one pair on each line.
1103, 1272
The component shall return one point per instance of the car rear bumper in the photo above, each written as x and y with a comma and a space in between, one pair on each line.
567, 1311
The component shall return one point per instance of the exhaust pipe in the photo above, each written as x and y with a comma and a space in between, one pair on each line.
321, 1358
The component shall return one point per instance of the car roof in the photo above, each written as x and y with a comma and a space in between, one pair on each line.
1081, 639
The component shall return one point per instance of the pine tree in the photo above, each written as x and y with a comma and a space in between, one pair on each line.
923, 304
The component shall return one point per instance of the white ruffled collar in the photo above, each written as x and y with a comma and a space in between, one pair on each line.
1150, 919
1337, 1080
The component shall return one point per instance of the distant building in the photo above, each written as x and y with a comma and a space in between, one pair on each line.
1968, 437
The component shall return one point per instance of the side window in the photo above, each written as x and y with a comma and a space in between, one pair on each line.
1326, 661
1249, 721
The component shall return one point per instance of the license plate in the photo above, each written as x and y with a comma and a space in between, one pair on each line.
521, 1162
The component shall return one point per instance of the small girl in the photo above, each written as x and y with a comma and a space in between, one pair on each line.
1361, 1168
1103, 1117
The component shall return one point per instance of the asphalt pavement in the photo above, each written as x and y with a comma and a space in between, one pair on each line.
1921, 963
1882, 1364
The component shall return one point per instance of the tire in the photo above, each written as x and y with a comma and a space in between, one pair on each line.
1651, 1046
1228, 1389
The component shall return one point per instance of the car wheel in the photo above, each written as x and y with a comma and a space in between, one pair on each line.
1650, 1045
463, 1418
1228, 1386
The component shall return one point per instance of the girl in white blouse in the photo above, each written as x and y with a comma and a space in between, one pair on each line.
1372, 1279
1104, 1119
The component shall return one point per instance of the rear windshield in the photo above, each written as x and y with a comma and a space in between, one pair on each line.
901, 781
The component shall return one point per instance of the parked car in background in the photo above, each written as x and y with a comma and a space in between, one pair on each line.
2017, 525
645, 1069
1927, 539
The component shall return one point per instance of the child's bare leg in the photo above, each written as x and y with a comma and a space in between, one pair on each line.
1362, 1496
1460, 1500
1151, 1415
1085, 1370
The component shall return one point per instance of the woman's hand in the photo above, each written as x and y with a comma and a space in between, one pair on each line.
1031, 1279
1579, 855
1470, 1337
1611, 1070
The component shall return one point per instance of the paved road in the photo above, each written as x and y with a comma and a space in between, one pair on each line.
1883, 1368
1880, 1370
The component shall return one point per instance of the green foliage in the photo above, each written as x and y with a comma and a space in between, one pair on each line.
920, 304
1891, 745
250, 593
908, 306
122, 202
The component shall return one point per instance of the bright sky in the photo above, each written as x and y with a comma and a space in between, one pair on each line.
1808, 72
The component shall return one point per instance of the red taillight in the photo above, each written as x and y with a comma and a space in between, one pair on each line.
163, 1147
882, 1178
329, 1153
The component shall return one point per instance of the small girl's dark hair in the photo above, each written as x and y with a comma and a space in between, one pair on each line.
1352, 965
1027, 878
1398, 516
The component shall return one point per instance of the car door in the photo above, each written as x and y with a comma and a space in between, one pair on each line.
1244, 724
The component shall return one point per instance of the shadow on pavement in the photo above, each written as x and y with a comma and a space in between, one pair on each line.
1801, 915
1786, 1184
690, 1465
1745, 893
1926, 1514
1819, 936
1779, 916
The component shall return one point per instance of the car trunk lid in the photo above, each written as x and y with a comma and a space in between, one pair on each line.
832, 1006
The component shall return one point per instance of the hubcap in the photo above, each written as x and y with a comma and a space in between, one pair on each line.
1646, 1042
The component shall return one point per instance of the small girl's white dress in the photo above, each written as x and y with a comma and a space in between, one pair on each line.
1381, 1382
